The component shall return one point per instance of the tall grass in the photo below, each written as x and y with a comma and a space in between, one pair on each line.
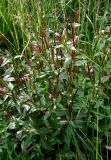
55, 79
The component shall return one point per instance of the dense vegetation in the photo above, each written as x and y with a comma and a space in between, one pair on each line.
55, 79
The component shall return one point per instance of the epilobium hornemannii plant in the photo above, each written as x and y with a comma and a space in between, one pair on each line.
55, 80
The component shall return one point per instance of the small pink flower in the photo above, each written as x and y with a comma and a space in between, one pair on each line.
89, 69
5, 113
21, 98
2, 89
65, 31
54, 108
26, 78
19, 133
52, 65
47, 113
57, 37
54, 100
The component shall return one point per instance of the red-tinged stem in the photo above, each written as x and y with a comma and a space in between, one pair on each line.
52, 51
61, 53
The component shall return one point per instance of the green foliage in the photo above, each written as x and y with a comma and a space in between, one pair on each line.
55, 66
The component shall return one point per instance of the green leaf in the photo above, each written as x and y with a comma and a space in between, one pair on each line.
62, 122
69, 155
59, 46
98, 54
10, 86
67, 62
11, 125
73, 48
61, 111
6, 61
8, 79
25, 143
42, 99
105, 79
80, 62
26, 107
8, 71
43, 131
68, 135
63, 76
